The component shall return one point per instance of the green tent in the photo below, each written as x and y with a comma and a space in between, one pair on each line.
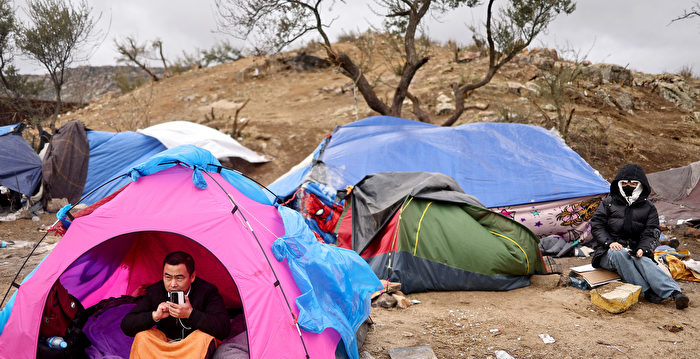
422, 230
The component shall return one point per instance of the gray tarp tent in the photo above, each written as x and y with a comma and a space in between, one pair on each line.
676, 192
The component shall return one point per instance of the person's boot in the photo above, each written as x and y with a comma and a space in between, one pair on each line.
651, 297
681, 299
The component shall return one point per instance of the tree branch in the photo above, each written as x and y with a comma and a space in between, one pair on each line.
420, 114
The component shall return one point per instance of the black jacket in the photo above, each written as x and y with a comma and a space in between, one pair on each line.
634, 226
208, 315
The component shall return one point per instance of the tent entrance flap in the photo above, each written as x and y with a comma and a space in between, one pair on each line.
124, 263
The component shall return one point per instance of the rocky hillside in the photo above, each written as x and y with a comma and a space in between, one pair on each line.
85, 83
619, 115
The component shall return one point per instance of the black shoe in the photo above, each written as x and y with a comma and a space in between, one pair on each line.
650, 296
681, 300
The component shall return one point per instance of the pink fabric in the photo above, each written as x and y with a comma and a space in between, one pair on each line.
568, 218
168, 202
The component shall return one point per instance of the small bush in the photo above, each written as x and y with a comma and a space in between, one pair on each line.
686, 72
125, 85
350, 36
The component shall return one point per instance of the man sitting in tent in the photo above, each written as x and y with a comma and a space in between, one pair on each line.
189, 327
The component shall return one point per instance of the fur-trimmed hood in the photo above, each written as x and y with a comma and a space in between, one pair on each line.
631, 171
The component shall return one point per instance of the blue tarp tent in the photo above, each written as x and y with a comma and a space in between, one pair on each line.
501, 164
111, 155
20, 166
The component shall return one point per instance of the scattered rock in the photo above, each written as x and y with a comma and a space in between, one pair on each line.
549, 107
616, 297
545, 281
623, 101
530, 89
423, 351
692, 232
385, 300
606, 73
514, 87
676, 94
469, 56
55, 204
365, 355
442, 98
444, 108
401, 301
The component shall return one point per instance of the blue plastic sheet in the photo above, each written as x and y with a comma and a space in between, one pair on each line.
200, 159
111, 155
501, 164
20, 166
335, 283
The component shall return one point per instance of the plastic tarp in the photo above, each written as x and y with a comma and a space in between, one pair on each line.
8, 128
20, 166
323, 274
111, 155
200, 159
499, 163
373, 205
176, 133
676, 193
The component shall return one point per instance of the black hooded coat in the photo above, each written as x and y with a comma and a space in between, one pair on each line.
634, 226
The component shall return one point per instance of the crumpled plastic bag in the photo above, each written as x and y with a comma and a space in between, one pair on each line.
335, 283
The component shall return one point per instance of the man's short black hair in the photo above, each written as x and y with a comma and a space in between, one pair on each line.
180, 257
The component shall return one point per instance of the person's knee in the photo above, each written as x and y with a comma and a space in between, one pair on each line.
617, 255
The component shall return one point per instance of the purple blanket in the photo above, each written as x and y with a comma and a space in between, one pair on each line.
108, 340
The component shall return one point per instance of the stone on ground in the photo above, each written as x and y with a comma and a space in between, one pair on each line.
423, 351
616, 297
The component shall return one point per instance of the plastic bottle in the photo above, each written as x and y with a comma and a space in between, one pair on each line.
56, 343
578, 283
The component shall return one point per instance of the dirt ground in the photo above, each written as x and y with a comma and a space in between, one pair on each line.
290, 112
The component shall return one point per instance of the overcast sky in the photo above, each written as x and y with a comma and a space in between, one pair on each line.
634, 33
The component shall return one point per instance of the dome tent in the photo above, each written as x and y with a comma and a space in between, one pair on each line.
422, 230
182, 199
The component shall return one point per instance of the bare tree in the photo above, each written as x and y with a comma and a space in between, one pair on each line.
133, 52
54, 36
694, 11
277, 23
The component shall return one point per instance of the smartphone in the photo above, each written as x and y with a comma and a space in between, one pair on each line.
177, 297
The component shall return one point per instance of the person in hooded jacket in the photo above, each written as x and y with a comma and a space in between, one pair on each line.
625, 228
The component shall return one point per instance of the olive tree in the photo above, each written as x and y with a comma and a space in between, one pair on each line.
15, 90
55, 33
275, 24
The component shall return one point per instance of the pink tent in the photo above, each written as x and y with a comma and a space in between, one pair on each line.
122, 243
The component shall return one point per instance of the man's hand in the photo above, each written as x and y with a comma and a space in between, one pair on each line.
160, 312
615, 246
180, 310
640, 253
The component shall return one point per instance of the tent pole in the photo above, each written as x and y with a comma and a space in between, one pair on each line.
14, 280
